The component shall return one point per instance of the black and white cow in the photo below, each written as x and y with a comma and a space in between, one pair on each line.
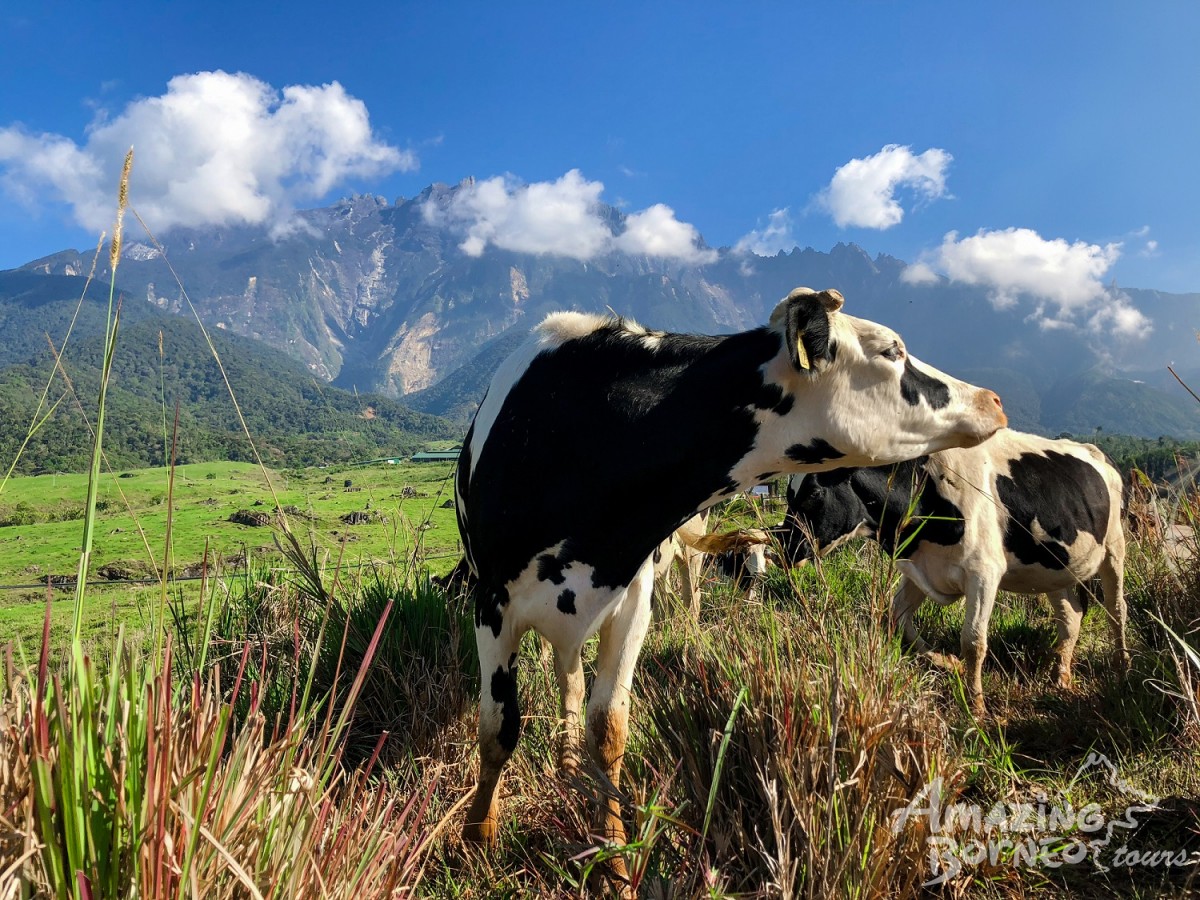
678, 552
598, 438
1018, 513
739, 557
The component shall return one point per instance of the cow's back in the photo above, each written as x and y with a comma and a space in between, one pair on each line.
1052, 505
584, 446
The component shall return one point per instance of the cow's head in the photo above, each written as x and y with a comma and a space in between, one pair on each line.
863, 400
823, 510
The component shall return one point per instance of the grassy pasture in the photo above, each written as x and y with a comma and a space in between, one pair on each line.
42, 518
771, 744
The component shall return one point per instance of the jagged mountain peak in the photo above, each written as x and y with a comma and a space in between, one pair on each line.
377, 295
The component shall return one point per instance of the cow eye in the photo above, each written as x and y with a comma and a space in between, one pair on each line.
893, 353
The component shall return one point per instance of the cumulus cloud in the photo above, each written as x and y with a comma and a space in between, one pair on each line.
862, 193
216, 148
919, 273
775, 236
656, 232
1019, 260
1064, 280
557, 217
1120, 317
561, 218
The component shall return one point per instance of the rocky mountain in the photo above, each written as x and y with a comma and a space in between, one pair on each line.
379, 296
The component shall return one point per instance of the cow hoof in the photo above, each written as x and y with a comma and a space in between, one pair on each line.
610, 879
480, 832
945, 661
1063, 680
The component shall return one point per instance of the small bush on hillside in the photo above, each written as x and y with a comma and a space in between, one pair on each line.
425, 671
19, 514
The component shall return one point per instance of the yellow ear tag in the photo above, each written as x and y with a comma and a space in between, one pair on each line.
801, 353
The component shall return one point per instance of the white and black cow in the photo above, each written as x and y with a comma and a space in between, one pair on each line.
598, 438
678, 552
1018, 513
739, 557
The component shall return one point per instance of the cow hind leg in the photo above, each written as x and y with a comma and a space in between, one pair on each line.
1068, 613
568, 667
907, 600
1112, 582
608, 709
499, 724
981, 597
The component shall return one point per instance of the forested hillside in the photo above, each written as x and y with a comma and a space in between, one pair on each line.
163, 361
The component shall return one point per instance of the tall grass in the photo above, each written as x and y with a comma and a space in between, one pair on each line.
1165, 609
127, 774
796, 734
135, 783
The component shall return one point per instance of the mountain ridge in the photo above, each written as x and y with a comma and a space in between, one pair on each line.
371, 295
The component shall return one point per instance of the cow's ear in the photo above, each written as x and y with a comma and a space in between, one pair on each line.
795, 485
804, 319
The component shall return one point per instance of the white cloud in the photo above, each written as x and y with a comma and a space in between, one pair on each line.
769, 241
31, 161
1065, 280
1149, 248
1121, 317
862, 193
1020, 261
561, 218
919, 273
558, 217
215, 148
656, 232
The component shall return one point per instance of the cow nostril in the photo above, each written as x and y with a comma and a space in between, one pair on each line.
996, 400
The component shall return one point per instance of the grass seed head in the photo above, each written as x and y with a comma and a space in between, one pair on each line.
114, 250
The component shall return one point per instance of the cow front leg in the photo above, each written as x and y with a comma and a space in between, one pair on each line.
621, 640
1068, 613
499, 724
981, 598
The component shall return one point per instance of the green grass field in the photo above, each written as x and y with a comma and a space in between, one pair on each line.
41, 528
771, 742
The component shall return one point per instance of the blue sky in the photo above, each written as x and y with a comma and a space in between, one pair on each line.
1001, 143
